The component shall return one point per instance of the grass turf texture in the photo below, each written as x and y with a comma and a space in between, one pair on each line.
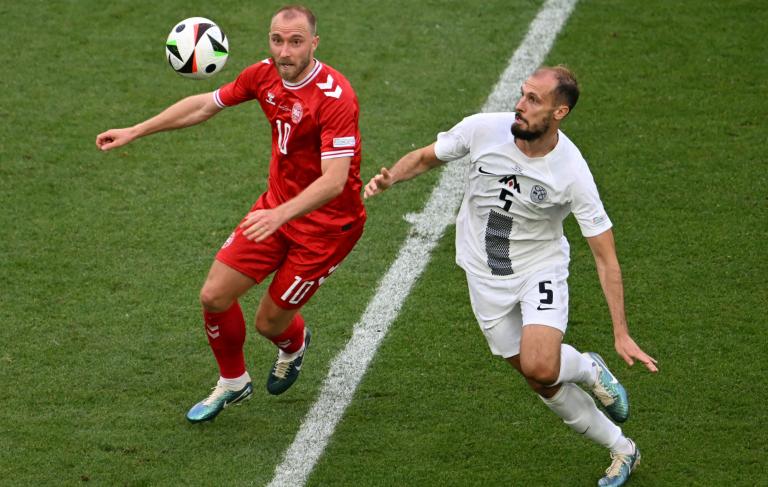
102, 350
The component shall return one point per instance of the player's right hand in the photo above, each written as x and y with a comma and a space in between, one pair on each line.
114, 138
378, 183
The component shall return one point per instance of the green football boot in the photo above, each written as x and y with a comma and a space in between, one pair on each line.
285, 372
621, 468
221, 397
609, 391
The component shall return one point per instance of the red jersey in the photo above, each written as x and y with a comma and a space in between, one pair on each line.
314, 119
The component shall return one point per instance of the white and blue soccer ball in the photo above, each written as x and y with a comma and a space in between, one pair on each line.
197, 48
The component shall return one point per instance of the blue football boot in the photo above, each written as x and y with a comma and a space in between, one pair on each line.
609, 391
285, 372
621, 468
221, 397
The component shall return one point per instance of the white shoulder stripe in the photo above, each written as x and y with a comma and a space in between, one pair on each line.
217, 99
337, 153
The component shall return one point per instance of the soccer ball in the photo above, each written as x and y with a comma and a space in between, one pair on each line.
197, 48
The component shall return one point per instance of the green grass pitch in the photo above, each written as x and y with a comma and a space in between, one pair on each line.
102, 255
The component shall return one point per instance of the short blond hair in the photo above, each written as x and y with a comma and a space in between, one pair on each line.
291, 11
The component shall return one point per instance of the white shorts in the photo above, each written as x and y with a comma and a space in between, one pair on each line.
503, 306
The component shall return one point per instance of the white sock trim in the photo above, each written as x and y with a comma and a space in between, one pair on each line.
287, 357
623, 446
237, 383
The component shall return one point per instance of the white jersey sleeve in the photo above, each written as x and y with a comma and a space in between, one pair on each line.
454, 144
587, 207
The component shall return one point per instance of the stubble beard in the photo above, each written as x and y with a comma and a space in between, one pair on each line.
293, 75
531, 134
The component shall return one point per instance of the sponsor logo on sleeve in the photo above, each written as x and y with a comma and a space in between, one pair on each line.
344, 142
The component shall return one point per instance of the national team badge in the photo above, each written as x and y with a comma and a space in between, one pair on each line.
296, 113
538, 194
229, 240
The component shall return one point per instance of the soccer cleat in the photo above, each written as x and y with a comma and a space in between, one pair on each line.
285, 372
609, 391
221, 397
621, 468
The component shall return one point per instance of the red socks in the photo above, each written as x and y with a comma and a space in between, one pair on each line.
226, 335
292, 339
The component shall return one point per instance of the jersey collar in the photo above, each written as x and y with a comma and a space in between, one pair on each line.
305, 81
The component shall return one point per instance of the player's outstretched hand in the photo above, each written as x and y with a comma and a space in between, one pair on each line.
629, 351
378, 183
114, 138
260, 224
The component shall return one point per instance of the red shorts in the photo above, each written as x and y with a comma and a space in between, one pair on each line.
301, 262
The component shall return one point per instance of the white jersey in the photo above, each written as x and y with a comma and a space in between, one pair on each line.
511, 218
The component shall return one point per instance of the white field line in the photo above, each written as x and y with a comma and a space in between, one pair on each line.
349, 366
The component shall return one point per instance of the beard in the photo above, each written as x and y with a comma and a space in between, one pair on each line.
293, 73
532, 133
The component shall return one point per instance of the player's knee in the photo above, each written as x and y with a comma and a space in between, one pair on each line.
214, 301
540, 389
539, 372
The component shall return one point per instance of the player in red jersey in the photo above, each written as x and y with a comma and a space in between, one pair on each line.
306, 222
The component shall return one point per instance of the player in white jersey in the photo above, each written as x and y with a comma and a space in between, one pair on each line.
525, 176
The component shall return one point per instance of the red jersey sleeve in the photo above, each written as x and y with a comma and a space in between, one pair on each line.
245, 87
338, 120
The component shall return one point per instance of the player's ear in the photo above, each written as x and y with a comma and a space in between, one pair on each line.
561, 111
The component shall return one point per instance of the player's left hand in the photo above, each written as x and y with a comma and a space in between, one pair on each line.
260, 224
629, 351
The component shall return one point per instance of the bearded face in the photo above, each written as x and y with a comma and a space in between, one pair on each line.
525, 130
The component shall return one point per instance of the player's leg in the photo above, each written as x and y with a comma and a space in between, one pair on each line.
553, 368
225, 330
224, 321
307, 265
539, 359
239, 265
539, 362
545, 300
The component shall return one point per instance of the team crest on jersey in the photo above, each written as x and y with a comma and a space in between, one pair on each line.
296, 112
538, 193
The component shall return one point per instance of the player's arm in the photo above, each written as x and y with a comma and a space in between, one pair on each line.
409, 166
609, 272
260, 224
184, 113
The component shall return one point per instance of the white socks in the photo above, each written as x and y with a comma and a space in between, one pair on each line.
575, 367
623, 446
579, 411
235, 384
